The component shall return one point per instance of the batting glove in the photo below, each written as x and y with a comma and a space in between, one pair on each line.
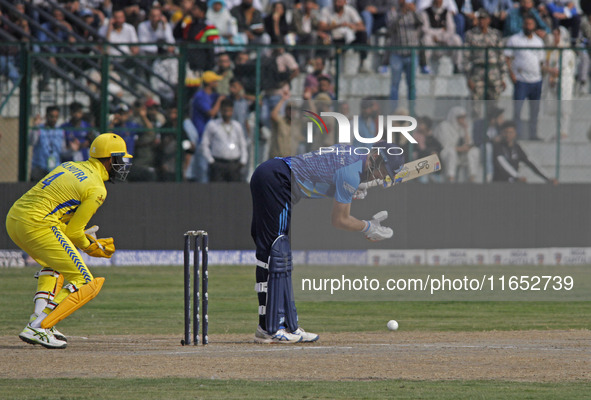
374, 231
360, 194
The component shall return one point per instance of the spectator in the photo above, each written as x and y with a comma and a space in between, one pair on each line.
561, 75
9, 55
241, 58
155, 29
154, 115
146, 143
525, 69
477, 62
78, 139
311, 81
276, 24
498, 11
485, 133
508, 154
457, 148
565, 13
439, 30
465, 17
121, 124
281, 139
325, 86
118, 31
404, 30
168, 148
224, 69
345, 27
198, 30
59, 31
426, 144
219, 15
584, 59
284, 68
373, 13
181, 14
135, 11
205, 105
515, 17
224, 146
241, 103
89, 31
250, 23
48, 142
306, 21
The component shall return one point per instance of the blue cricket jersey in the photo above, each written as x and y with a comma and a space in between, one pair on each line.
320, 175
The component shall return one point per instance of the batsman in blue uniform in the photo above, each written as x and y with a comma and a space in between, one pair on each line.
277, 184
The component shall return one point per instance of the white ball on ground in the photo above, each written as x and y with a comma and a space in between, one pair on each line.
392, 325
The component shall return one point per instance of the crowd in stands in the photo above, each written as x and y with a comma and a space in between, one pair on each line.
219, 127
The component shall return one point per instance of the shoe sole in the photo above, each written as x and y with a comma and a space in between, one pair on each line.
60, 337
310, 341
32, 341
259, 340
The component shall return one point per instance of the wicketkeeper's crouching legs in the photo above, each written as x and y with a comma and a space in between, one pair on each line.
61, 262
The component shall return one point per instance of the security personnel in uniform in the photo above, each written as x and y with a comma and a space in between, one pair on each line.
476, 61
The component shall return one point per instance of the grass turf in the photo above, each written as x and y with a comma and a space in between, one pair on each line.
180, 389
149, 300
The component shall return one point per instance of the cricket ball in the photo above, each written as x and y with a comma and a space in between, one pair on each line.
392, 325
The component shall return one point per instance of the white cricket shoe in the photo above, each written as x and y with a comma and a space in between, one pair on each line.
58, 335
306, 336
41, 336
281, 336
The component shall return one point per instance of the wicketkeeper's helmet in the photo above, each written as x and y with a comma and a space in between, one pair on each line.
112, 145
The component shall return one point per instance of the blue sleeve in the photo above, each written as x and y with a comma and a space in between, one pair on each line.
203, 102
347, 181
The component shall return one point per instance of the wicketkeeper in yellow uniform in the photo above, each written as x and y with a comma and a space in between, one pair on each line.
48, 223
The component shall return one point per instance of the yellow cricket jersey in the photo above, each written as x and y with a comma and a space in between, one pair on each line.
67, 198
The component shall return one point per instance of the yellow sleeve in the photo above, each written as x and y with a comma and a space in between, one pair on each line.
88, 207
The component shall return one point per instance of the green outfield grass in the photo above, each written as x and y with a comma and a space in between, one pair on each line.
181, 389
149, 300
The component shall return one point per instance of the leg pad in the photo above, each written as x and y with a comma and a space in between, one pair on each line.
73, 302
280, 308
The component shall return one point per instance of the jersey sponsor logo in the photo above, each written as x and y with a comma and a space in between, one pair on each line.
349, 188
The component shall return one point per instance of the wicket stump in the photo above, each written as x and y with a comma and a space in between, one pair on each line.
197, 247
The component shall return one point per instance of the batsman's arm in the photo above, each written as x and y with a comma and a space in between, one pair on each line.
341, 218
76, 226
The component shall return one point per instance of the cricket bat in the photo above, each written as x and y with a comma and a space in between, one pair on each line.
410, 170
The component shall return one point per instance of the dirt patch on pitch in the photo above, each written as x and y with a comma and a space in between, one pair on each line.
539, 356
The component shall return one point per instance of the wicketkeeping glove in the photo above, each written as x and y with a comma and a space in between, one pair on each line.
375, 231
98, 247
